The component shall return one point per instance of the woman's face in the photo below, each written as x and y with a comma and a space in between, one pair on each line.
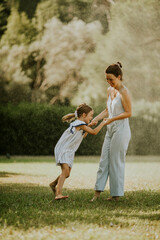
112, 80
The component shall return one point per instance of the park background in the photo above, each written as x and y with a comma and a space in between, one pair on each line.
53, 55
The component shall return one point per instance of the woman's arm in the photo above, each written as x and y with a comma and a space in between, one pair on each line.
126, 102
103, 114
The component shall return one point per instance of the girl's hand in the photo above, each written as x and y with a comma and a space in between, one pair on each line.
93, 123
107, 121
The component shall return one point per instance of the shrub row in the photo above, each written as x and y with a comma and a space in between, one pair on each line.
28, 129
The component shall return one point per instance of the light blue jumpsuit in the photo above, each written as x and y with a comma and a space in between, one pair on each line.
112, 162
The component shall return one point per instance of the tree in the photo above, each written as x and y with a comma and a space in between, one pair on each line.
4, 14
14, 83
10, 61
19, 30
64, 48
51, 65
66, 10
133, 39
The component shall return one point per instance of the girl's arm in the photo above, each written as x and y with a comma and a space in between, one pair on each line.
126, 102
85, 135
95, 130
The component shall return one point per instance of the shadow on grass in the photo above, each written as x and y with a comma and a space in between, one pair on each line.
27, 159
7, 174
27, 205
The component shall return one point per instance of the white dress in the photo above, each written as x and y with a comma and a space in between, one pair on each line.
68, 144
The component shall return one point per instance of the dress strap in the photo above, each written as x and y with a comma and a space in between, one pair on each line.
76, 123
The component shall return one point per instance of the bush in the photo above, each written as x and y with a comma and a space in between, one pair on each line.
30, 129
34, 129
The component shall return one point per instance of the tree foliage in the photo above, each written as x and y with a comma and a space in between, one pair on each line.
60, 58
65, 60
50, 65
19, 29
134, 40
4, 14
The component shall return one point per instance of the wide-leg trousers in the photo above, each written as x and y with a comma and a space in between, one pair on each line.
112, 161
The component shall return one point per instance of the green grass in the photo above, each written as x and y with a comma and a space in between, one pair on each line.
25, 206
29, 211
34, 206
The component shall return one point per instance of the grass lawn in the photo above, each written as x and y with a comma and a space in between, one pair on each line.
29, 211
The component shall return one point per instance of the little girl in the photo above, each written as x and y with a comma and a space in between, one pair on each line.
69, 142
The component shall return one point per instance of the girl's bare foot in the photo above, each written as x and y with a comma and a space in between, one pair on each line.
53, 187
60, 196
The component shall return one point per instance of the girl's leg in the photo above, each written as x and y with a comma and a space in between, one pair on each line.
54, 184
65, 174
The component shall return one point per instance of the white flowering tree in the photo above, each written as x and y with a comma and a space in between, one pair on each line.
51, 65
64, 47
59, 56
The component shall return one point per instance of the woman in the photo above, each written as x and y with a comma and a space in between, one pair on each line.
112, 162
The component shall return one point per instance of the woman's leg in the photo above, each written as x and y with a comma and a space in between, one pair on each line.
96, 196
118, 149
65, 174
103, 171
102, 174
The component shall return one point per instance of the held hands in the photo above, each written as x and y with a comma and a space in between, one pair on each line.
107, 121
93, 123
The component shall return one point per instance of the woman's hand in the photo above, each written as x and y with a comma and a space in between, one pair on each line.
107, 121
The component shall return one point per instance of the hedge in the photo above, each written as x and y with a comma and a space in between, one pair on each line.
34, 129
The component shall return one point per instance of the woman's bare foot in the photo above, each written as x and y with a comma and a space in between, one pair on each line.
53, 187
95, 198
115, 198
60, 196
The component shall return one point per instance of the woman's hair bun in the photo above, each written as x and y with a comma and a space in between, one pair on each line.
119, 64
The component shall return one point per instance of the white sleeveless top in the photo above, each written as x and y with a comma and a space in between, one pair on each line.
68, 144
115, 108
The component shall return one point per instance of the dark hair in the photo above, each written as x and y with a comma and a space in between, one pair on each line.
115, 69
82, 108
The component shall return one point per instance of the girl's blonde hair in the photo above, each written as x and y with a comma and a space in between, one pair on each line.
82, 108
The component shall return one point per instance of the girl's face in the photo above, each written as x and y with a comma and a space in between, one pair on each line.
112, 80
88, 117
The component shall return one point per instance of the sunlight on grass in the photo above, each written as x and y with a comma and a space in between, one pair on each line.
28, 210
138, 175
91, 159
78, 231
32, 209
